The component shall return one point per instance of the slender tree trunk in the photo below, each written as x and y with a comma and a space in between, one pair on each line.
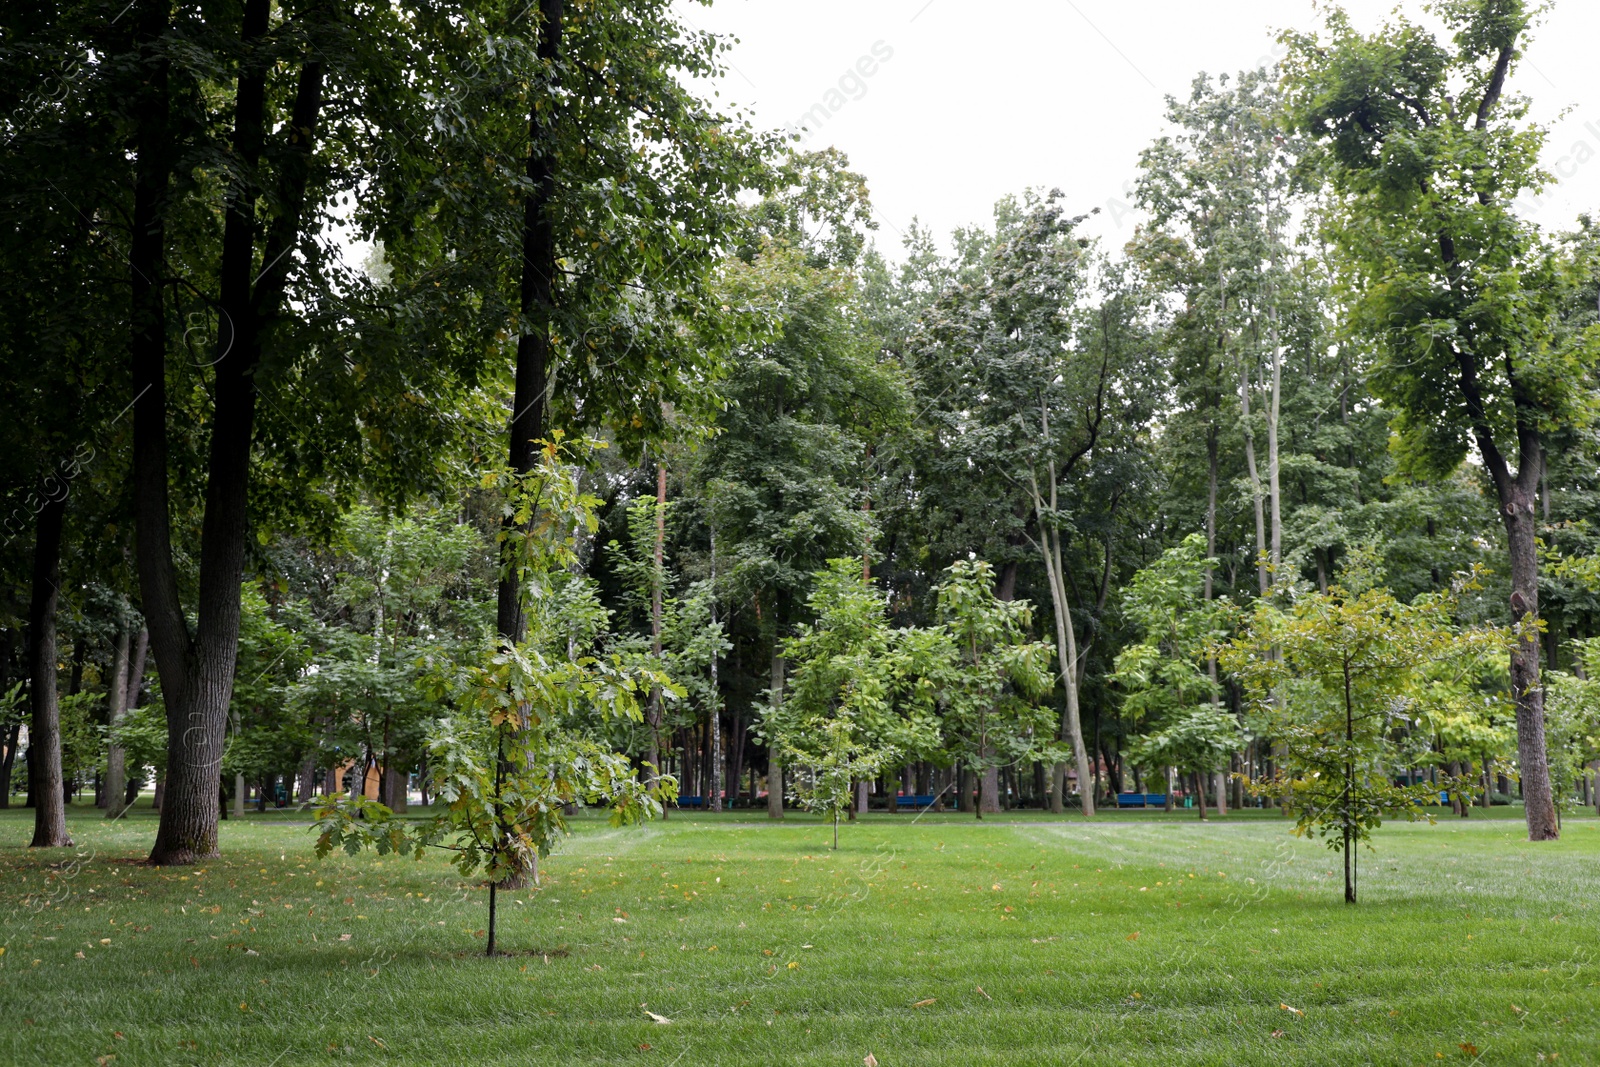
715, 715
44, 730
1262, 557
116, 757
774, 755
1066, 651
655, 615
536, 302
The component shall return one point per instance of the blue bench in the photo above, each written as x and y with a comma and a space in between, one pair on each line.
691, 802
915, 801
1141, 800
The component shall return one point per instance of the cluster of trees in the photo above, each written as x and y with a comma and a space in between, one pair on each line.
628, 464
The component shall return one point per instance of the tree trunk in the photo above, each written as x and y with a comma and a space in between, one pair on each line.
44, 730
1522, 533
197, 670
536, 302
141, 648
1262, 557
774, 755
654, 714
1066, 657
394, 789
989, 796
116, 757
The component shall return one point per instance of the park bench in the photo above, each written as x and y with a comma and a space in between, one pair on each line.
1141, 800
915, 801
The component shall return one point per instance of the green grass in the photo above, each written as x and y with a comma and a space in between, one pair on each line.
1022, 940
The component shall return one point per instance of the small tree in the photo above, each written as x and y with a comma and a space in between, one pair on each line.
858, 695
513, 755
1332, 675
1168, 685
1572, 725
995, 675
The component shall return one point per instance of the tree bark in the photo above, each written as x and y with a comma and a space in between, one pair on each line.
197, 668
116, 757
774, 756
536, 302
655, 616
1262, 577
714, 715
44, 730
1522, 534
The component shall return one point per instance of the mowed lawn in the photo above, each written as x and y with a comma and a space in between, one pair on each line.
1025, 939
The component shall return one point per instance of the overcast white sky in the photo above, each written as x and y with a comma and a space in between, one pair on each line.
976, 100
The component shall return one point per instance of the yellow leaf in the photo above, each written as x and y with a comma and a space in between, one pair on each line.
925, 1003
1286, 1007
1134, 936
661, 1019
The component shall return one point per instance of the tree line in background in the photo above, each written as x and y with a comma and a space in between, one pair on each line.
628, 469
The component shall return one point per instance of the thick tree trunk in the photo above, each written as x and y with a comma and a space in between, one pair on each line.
44, 729
394, 788
116, 758
1522, 533
197, 670
989, 788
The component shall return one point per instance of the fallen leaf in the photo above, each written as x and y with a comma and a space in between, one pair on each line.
1134, 936
871, 1060
78, 955
344, 937
662, 1019
644, 1047
1469, 1048
1286, 1007
985, 995
1277, 1033
793, 966
925, 1003
375, 1041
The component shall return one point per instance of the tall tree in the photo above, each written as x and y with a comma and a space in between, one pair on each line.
1457, 296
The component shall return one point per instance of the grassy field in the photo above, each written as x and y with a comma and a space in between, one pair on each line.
1137, 939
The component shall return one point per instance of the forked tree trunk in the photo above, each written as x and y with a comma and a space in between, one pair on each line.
197, 669
44, 729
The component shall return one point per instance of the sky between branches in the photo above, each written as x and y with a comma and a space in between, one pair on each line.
975, 101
